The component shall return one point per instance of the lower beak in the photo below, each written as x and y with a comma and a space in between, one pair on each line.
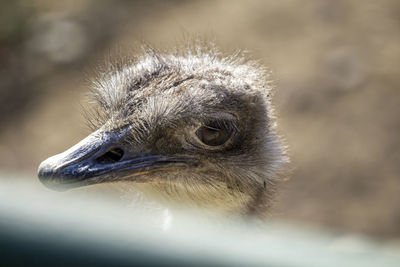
100, 158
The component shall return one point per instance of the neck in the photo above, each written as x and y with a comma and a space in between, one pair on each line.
215, 200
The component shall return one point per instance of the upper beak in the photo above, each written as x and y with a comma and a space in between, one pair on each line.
99, 158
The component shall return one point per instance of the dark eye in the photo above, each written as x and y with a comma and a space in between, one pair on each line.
214, 134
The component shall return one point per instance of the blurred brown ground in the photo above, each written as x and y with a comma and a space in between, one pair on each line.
337, 66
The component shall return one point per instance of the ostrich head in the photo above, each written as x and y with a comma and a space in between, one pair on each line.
194, 126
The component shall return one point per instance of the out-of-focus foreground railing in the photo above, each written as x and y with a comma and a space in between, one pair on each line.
43, 228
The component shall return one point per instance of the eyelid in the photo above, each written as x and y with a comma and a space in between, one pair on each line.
230, 123
212, 128
222, 116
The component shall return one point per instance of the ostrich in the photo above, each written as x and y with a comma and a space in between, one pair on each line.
195, 127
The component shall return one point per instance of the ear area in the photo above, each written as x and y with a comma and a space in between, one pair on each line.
252, 99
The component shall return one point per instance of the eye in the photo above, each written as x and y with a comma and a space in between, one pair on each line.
214, 133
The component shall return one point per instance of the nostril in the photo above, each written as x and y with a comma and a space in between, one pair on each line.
112, 155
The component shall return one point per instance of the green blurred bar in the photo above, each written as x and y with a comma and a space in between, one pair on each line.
43, 228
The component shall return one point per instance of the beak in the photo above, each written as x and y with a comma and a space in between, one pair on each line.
100, 158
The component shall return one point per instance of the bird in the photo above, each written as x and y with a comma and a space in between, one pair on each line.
195, 127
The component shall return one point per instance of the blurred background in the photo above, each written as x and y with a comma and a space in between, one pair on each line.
336, 65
